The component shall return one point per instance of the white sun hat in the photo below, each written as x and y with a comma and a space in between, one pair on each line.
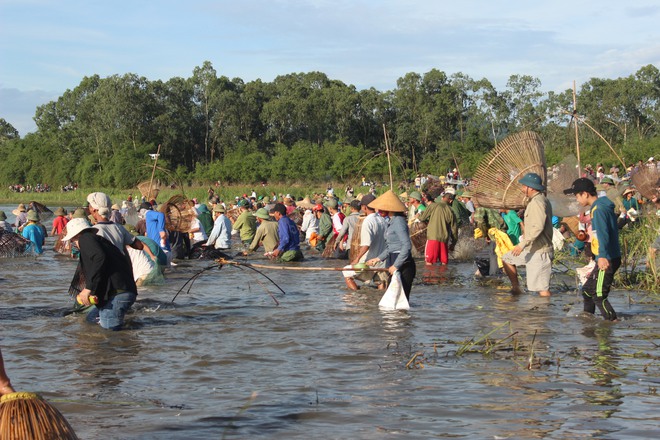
75, 227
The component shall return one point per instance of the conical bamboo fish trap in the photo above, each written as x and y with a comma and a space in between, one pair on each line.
12, 244
418, 238
179, 214
145, 187
647, 182
355, 239
26, 416
495, 183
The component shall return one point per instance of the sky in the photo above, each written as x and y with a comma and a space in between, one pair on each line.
49, 46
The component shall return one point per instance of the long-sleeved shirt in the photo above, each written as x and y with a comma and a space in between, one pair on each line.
325, 226
605, 232
289, 235
397, 241
106, 270
538, 225
267, 234
443, 225
246, 224
221, 233
310, 224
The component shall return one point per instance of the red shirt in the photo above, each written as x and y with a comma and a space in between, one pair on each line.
59, 223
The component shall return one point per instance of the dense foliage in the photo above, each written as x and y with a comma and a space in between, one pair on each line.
305, 126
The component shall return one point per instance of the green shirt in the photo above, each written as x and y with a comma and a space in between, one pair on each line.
246, 224
513, 226
267, 235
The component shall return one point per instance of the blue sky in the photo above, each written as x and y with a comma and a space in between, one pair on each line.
47, 47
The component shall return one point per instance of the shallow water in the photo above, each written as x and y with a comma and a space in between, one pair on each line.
224, 361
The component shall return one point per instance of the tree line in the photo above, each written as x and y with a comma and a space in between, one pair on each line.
308, 127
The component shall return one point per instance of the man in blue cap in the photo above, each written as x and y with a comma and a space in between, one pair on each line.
605, 247
534, 251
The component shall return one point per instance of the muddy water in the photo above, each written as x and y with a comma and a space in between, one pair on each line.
224, 361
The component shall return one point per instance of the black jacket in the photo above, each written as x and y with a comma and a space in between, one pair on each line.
107, 271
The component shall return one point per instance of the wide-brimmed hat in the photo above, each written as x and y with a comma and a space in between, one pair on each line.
33, 216
628, 191
388, 202
305, 203
332, 203
532, 180
262, 214
219, 208
467, 194
3, 216
607, 180
19, 209
75, 227
60, 211
416, 195
79, 213
115, 206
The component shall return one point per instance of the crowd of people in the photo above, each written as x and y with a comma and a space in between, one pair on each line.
131, 242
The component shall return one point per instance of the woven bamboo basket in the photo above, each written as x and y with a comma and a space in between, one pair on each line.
27, 416
355, 239
12, 244
329, 247
495, 183
62, 247
418, 238
144, 187
232, 214
179, 214
647, 182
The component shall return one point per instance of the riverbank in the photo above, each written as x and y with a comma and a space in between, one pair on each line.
225, 192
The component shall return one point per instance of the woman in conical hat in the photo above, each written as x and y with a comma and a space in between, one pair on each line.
397, 254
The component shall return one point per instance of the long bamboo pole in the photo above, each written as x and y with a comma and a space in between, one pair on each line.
309, 269
577, 139
389, 163
153, 171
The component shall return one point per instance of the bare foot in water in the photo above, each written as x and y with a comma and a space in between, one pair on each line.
545, 293
516, 291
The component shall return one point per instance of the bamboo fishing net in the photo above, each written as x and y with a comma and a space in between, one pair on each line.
647, 182
12, 244
179, 214
232, 214
355, 239
149, 190
329, 247
62, 247
43, 211
495, 183
418, 238
560, 177
27, 416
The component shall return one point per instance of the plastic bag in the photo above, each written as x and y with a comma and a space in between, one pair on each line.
394, 297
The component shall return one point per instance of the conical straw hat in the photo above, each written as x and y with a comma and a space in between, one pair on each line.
388, 202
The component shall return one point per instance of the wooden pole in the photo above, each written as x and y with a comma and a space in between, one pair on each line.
269, 266
577, 139
389, 163
153, 171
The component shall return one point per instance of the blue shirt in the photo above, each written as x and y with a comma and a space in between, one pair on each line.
155, 223
397, 241
34, 233
289, 236
221, 233
603, 223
